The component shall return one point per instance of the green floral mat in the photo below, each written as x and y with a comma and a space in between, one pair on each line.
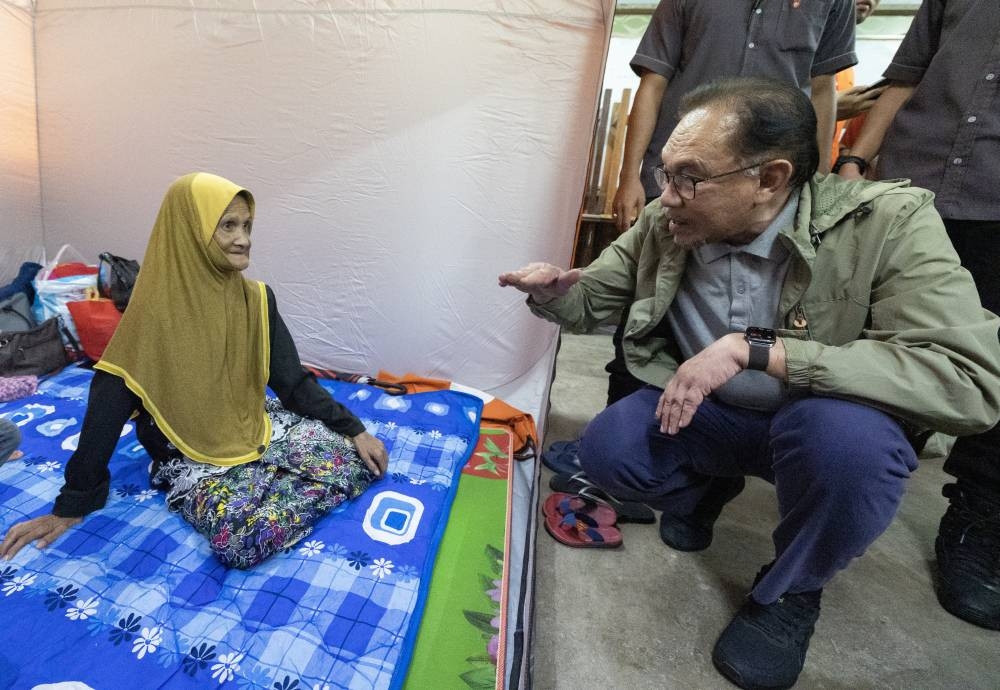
459, 634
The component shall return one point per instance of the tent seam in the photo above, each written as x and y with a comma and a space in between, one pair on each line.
38, 124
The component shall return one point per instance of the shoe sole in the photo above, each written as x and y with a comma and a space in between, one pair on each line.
734, 677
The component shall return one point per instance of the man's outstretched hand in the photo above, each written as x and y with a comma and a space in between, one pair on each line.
544, 282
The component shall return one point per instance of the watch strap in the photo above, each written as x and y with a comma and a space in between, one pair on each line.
760, 355
844, 160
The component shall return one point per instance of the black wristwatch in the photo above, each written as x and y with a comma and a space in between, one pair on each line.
844, 160
761, 340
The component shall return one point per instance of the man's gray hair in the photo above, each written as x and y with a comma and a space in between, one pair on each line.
774, 120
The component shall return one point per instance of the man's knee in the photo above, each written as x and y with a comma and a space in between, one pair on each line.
843, 443
617, 438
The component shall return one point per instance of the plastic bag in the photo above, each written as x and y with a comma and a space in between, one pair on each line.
53, 294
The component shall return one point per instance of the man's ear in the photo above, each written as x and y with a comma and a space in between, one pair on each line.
774, 179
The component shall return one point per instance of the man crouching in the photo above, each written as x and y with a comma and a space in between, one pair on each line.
791, 326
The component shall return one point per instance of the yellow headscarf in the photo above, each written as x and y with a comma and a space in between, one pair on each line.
194, 343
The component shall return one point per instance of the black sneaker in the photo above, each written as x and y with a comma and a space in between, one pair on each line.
968, 556
764, 647
693, 532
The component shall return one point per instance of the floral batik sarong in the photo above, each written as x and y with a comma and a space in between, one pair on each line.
250, 511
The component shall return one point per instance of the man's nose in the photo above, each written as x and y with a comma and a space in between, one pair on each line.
669, 196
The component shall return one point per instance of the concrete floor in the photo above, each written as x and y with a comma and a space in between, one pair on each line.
644, 616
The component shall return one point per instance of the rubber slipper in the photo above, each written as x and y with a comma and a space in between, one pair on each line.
563, 504
579, 531
578, 483
560, 457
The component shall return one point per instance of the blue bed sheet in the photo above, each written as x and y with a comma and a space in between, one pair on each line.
133, 598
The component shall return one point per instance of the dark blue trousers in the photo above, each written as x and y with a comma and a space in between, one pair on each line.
838, 467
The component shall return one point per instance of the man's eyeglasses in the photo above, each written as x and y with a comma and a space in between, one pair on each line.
686, 185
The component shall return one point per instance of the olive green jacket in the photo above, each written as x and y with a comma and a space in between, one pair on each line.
875, 306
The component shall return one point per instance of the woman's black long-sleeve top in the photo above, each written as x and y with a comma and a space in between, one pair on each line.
111, 403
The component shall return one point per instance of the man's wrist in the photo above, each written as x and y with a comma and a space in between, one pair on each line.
760, 342
627, 176
739, 348
848, 159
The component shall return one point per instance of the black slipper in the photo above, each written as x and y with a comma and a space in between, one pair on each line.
628, 511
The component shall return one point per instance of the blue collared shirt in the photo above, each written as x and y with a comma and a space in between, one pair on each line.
726, 288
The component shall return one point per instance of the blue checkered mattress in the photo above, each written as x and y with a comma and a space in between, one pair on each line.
133, 598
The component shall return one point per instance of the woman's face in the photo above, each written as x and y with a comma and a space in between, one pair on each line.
232, 234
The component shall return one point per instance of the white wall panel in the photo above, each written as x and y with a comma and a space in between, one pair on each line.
20, 203
402, 154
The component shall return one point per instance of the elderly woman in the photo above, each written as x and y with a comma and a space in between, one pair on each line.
191, 358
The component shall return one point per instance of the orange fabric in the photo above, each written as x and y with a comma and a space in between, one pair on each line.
495, 412
852, 130
414, 383
845, 81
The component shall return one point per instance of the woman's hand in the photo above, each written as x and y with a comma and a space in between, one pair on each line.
45, 530
372, 452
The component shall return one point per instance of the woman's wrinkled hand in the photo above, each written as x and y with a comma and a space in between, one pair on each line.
44, 530
372, 452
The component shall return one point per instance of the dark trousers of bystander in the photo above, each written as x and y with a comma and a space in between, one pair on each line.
976, 458
620, 382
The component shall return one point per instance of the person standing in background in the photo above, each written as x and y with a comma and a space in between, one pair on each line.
938, 123
692, 43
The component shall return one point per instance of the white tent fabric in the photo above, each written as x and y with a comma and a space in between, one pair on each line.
402, 154
20, 189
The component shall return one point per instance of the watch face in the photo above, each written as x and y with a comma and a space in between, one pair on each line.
764, 335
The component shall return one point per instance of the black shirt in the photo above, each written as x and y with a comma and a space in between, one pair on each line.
111, 403
946, 138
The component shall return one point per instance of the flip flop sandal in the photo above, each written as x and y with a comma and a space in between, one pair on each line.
578, 483
561, 457
565, 504
582, 532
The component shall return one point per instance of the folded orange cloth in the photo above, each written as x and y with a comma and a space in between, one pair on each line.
496, 412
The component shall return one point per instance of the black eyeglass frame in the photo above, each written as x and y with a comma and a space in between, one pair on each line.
663, 178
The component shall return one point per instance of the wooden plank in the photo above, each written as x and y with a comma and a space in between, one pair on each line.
616, 149
595, 201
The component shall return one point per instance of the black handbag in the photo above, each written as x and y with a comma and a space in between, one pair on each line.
37, 351
116, 277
